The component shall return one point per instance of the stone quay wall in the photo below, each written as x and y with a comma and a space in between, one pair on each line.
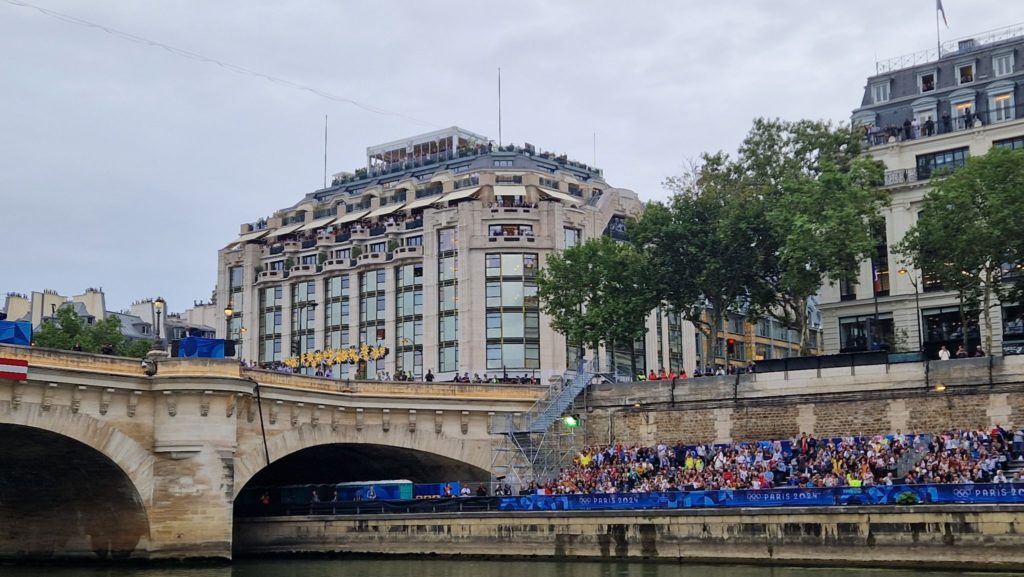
956, 537
872, 399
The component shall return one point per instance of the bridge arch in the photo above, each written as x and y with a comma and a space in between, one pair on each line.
397, 455
71, 485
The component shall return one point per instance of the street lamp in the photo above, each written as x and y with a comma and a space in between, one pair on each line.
917, 303
228, 313
158, 307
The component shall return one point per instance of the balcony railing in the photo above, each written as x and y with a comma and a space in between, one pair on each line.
949, 48
900, 176
414, 224
881, 135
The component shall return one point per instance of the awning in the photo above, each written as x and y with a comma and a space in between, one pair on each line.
509, 190
318, 223
352, 216
557, 195
421, 202
385, 210
285, 230
459, 194
249, 236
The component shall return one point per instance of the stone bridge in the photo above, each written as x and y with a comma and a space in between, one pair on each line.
98, 460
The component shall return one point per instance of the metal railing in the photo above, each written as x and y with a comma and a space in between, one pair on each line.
950, 47
882, 135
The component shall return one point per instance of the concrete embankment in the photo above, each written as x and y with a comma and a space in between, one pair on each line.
949, 536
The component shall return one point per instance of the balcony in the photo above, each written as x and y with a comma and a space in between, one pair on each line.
360, 233
325, 241
521, 238
394, 228
343, 237
273, 249
942, 126
377, 230
271, 275
900, 176
304, 269
371, 257
414, 224
292, 246
403, 252
338, 264
308, 243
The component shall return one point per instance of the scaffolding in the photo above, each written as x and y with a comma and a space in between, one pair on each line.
536, 444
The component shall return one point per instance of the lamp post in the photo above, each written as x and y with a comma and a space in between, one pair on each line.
158, 308
917, 304
228, 313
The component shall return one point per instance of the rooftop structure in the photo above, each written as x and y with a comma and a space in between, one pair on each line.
974, 84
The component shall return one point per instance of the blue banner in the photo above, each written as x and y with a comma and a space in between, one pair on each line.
200, 347
16, 333
782, 497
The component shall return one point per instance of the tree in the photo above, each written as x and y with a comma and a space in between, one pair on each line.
702, 246
62, 331
970, 236
821, 200
68, 329
597, 292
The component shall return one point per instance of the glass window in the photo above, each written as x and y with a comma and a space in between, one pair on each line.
446, 267
1015, 143
446, 240
939, 162
864, 333
448, 358
236, 277
965, 73
449, 328
511, 265
926, 82
414, 240
1002, 64
571, 237
880, 92
447, 298
1000, 107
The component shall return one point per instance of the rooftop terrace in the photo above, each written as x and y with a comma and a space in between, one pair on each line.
950, 48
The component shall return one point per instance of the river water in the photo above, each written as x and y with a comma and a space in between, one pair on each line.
460, 568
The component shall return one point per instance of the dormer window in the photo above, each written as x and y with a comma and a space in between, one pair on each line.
965, 73
926, 82
1002, 64
880, 92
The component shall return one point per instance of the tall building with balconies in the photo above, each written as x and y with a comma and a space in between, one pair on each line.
431, 251
924, 114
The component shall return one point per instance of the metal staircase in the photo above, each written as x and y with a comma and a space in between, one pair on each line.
537, 446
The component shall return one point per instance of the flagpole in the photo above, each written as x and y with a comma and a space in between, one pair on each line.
938, 37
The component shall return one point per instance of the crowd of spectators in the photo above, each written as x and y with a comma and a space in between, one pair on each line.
960, 456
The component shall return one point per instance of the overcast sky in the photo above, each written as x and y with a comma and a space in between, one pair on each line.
125, 166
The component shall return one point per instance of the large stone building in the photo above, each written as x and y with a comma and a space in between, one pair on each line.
922, 114
430, 251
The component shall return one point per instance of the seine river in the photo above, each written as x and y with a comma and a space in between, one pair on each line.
445, 568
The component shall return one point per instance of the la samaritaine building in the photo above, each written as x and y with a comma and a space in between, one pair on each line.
431, 250
923, 114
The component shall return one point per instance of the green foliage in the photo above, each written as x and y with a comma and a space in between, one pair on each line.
703, 246
68, 329
597, 292
821, 201
761, 233
970, 235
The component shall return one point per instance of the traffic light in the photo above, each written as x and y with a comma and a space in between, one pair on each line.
730, 344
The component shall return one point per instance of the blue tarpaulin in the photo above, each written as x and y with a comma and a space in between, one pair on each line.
200, 347
16, 333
